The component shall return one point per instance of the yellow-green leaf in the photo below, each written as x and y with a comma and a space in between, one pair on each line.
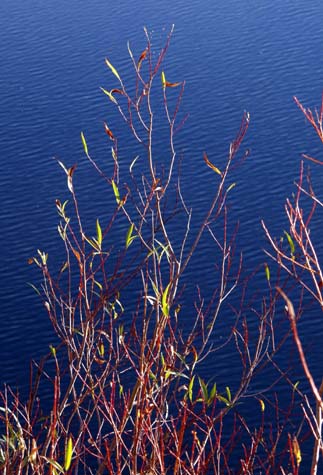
68, 454
113, 69
230, 187
204, 390
262, 405
54, 464
210, 164
297, 451
267, 271
84, 144
290, 242
165, 306
228, 393
116, 192
190, 388
129, 236
163, 79
98, 233
109, 94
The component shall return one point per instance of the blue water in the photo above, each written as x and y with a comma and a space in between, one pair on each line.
234, 56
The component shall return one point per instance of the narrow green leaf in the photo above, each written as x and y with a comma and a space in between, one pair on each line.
98, 233
212, 393
290, 242
68, 454
93, 242
84, 144
52, 350
228, 393
129, 237
165, 306
223, 399
230, 187
190, 388
204, 390
55, 464
113, 69
267, 271
109, 94
163, 79
116, 192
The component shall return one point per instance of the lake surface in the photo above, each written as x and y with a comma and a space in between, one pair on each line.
235, 56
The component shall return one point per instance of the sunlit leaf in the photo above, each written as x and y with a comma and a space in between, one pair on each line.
113, 69
98, 233
52, 350
230, 187
84, 144
172, 84
98, 284
204, 390
64, 267
77, 255
109, 94
68, 454
69, 172
209, 164
267, 271
133, 162
108, 131
163, 79
228, 393
297, 451
223, 399
116, 192
101, 349
141, 58
262, 405
290, 242
190, 388
129, 236
54, 464
165, 306
212, 393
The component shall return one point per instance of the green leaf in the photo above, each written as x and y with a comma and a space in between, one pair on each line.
223, 399
230, 187
98, 233
228, 393
68, 454
116, 192
267, 271
113, 69
55, 464
190, 388
52, 350
290, 242
84, 144
165, 306
212, 393
163, 79
204, 390
129, 236
109, 94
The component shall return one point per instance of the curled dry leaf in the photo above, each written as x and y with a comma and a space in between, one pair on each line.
210, 164
108, 131
141, 58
